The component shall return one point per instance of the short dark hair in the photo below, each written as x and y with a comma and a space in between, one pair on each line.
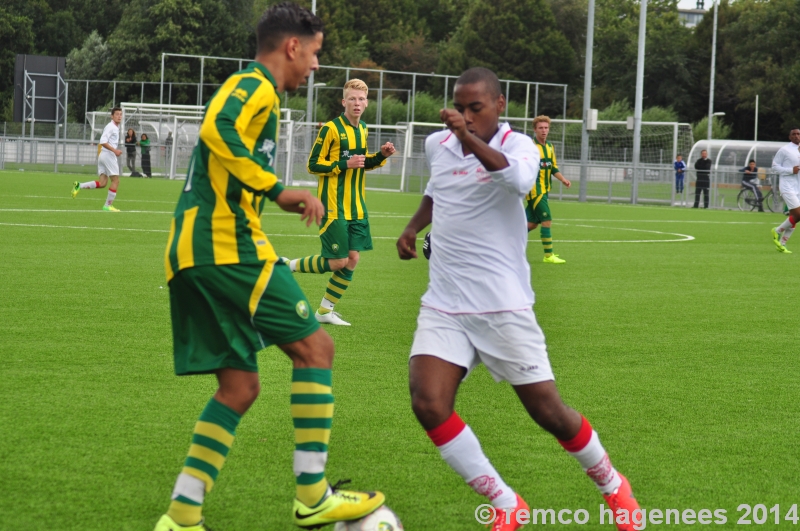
480, 74
752, 160
792, 129
115, 109
283, 20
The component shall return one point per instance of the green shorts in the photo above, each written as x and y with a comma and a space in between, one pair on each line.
538, 210
340, 236
223, 315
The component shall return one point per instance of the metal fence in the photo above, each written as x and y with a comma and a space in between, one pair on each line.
608, 181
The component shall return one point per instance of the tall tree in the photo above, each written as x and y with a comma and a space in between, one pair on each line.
16, 36
518, 39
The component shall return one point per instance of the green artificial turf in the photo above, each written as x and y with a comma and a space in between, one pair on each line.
682, 354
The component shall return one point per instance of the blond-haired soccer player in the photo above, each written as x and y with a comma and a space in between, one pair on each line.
340, 158
230, 294
473, 313
537, 209
107, 163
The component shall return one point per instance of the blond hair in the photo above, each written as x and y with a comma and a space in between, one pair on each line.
539, 119
355, 84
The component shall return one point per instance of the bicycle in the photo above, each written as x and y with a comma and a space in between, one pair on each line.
747, 200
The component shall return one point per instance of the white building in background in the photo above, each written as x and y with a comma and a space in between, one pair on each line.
692, 17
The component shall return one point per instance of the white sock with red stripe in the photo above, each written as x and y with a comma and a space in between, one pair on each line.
111, 195
786, 229
462, 451
586, 448
90, 185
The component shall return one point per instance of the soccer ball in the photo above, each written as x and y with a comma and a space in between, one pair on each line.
383, 519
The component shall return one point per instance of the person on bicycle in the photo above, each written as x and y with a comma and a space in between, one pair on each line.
750, 181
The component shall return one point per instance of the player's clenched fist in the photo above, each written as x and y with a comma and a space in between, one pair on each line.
454, 121
387, 150
356, 161
407, 244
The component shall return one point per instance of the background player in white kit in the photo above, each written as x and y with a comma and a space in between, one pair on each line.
787, 164
478, 306
107, 164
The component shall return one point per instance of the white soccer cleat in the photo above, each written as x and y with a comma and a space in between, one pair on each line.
331, 318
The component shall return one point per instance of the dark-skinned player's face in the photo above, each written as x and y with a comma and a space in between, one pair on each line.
794, 136
480, 108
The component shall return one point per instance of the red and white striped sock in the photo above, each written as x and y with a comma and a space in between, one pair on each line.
586, 448
90, 185
111, 195
462, 451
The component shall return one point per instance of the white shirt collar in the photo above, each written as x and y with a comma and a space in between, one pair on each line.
452, 142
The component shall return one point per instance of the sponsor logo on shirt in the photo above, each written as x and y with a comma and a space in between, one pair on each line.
268, 149
545, 164
342, 136
483, 175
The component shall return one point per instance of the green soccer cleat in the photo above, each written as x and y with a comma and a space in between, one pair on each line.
553, 259
76, 187
339, 506
110, 208
168, 524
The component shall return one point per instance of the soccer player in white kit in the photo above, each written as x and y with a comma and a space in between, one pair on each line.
107, 164
478, 306
787, 164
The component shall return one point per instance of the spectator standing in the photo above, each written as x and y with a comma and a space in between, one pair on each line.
130, 148
750, 181
168, 149
680, 172
703, 167
144, 143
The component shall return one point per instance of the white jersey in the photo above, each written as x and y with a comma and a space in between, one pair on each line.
479, 236
785, 160
110, 135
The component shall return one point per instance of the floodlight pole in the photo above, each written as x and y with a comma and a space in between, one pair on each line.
755, 134
310, 95
637, 111
587, 102
713, 73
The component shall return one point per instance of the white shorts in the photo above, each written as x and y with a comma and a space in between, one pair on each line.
510, 344
790, 192
107, 163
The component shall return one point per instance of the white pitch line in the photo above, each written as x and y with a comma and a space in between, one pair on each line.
670, 221
99, 211
685, 237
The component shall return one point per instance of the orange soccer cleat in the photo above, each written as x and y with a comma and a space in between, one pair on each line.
510, 520
622, 500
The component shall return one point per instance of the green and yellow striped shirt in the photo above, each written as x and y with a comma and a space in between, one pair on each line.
547, 167
340, 189
232, 169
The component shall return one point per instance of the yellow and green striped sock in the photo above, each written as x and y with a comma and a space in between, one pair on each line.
212, 439
339, 282
312, 264
312, 411
547, 241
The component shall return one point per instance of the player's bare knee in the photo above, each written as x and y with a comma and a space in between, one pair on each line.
337, 264
352, 261
314, 351
531, 226
429, 411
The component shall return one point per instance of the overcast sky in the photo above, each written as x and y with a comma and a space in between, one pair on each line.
691, 4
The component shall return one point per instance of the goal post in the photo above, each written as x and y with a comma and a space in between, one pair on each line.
172, 131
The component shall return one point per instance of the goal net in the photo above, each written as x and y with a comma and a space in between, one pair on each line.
172, 131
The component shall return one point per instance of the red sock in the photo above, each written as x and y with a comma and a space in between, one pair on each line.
579, 442
447, 430
792, 220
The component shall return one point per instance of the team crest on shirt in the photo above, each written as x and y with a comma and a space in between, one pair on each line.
346, 154
268, 149
335, 247
302, 309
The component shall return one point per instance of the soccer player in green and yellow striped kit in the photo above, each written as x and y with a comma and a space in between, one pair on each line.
230, 294
340, 158
537, 208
